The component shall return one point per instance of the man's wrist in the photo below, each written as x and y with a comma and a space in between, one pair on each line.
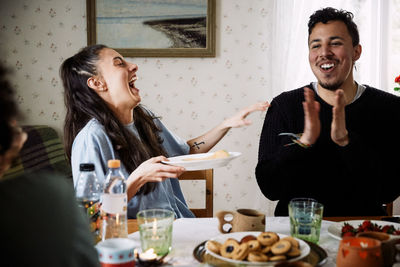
304, 145
344, 141
305, 141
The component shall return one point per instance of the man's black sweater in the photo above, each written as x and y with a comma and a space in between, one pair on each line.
352, 180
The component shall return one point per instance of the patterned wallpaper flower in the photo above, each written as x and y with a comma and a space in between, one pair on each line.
191, 94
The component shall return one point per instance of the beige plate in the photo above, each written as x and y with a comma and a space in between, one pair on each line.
304, 248
316, 258
194, 165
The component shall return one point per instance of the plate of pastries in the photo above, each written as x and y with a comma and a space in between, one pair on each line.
257, 248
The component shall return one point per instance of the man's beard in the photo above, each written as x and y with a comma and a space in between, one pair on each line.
331, 87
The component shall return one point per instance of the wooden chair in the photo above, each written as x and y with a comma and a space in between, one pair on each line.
208, 176
389, 208
42, 151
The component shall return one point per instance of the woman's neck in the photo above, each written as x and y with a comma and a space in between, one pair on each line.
124, 115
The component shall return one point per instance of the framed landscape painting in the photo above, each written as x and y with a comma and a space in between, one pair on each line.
153, 28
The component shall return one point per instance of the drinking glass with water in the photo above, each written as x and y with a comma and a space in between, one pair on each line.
305, 218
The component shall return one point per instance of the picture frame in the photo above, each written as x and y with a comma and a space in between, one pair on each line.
197, 48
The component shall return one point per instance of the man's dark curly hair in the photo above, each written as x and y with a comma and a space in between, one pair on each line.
8, 111
331, 14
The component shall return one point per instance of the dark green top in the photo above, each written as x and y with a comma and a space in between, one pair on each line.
41, 224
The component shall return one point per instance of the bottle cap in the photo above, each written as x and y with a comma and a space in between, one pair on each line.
87, 167
114, 163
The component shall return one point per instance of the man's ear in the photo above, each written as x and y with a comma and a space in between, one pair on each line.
357, 52
96, 84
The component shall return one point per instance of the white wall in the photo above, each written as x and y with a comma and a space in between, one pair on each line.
191, 94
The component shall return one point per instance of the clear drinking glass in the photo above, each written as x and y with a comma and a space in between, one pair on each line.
305, 218
155, 227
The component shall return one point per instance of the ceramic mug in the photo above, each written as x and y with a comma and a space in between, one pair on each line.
115, 252
241, 220
359, 251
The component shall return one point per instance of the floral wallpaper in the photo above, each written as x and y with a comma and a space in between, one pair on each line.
191, 94
36, 36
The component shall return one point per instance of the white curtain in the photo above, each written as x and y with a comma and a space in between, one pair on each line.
290, 67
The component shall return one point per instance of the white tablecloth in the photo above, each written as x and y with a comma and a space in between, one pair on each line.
188, 233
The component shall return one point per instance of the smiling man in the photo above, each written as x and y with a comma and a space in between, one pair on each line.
334, 139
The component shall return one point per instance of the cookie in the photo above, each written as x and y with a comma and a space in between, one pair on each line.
247, 238
266, 249
281, 247
241, 252
267, 238
293, 241
254, 245
278, 258
214, 246
256, 256
228, 248
293, 252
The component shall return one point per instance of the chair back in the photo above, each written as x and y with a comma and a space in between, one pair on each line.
208, 176
42, 151
389, 208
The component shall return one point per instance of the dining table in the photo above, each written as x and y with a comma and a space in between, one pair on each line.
188, 233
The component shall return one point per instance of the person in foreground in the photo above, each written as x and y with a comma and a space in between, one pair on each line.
343, 151
40, 223
105, 121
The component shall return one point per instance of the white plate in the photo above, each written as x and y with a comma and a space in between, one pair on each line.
335, 229
193, 165
304, 248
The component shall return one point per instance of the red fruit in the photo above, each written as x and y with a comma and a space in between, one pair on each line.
366, 224
376, 228
347, 228
386, 228
349, 234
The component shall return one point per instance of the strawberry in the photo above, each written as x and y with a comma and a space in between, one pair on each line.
366, 225
376, 228
347, 228
386, 229
349, 234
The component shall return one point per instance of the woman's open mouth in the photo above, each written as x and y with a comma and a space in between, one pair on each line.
132, 82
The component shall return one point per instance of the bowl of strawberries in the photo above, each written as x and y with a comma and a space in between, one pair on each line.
354, 227
348, 229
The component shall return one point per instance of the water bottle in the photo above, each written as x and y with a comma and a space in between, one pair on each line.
114, 203
88, 190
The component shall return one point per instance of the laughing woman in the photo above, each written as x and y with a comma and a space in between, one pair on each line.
105, 121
